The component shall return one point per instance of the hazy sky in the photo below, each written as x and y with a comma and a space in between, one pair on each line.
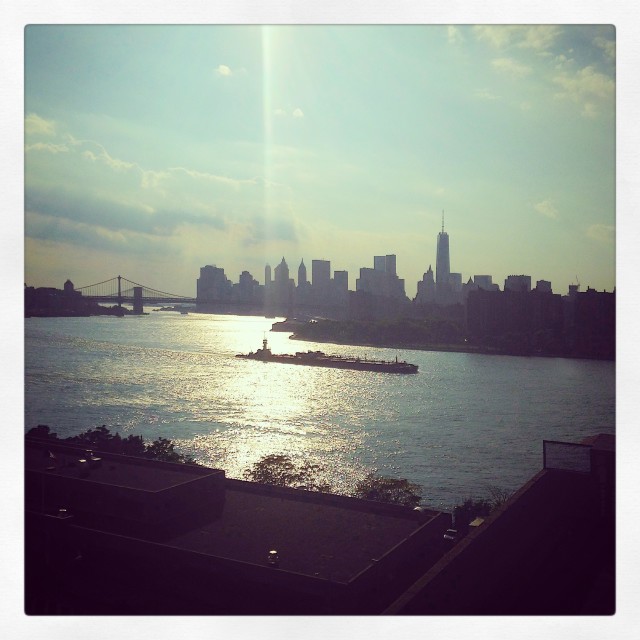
151, 151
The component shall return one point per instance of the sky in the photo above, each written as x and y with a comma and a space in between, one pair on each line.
151, 151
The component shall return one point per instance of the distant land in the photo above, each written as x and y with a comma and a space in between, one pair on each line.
450, 336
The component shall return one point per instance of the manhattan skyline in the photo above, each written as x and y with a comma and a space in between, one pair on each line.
154, 150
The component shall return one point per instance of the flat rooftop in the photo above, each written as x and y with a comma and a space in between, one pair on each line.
312, 538
117, 470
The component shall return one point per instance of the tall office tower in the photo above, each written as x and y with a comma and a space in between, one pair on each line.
267, 275
341, 280
518, 283
213, 284
385, 263
426, 288
281, 272
380, 263
442, 259
302, 274
320, 275
485, 282
390, 264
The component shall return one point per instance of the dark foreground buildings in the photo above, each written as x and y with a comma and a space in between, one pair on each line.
111, 534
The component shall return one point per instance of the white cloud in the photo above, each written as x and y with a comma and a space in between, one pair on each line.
283, 113
485, 94
34, 124
497, 36
540, 38
602, 232
224, 70
454, 35
511, 67
586, 86
608, 46
50, 148
546, 208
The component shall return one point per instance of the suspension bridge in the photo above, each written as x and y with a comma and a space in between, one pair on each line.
121, 291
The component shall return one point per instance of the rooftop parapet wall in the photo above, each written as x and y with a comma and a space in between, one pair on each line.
115, 488
347, 502
486, 572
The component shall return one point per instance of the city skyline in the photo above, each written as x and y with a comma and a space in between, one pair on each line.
152, 151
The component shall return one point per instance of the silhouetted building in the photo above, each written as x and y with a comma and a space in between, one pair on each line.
341, 280
302, 274
382, 280
443, 268
66, 302
592, 324
213, 285
516, 321
517, 283
426, 292
544, 286
248, 290
321, 280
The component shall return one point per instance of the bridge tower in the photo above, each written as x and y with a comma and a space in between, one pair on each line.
119, 293
137, 301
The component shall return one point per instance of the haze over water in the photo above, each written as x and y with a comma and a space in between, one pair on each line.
463, 424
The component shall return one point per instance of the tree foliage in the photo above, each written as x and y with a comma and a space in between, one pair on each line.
385, 489
281, 470
472, 508
101, 439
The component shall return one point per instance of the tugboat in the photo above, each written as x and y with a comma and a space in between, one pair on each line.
320, 359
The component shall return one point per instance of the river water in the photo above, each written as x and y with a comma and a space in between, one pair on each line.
464, 424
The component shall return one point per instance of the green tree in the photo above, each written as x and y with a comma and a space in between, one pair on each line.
280, 470
385, 489
101, 439
163, 449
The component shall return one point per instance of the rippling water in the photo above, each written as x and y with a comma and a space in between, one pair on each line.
462, 424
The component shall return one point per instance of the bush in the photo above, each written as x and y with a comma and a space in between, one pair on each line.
101, 439
384, 489
280, 470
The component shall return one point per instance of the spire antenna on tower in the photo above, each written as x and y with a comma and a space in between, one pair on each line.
443, 221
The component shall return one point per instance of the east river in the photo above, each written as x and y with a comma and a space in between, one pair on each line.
464, 424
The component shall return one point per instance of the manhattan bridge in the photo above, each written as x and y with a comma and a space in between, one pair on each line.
121, 291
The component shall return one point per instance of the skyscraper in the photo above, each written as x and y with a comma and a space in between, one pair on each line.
442, 259
302, 274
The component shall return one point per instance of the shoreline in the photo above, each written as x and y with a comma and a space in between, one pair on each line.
452, 348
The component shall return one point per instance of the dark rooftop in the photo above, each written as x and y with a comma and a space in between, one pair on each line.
311, 538
123, 471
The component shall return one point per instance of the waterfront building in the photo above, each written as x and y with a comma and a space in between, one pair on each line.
267, 275
341, 280
247, 289
212, 285
485, 282
382, 280
517, 283
320, 275
426, 288
302, 274
543, 286
448, 285
442, 262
